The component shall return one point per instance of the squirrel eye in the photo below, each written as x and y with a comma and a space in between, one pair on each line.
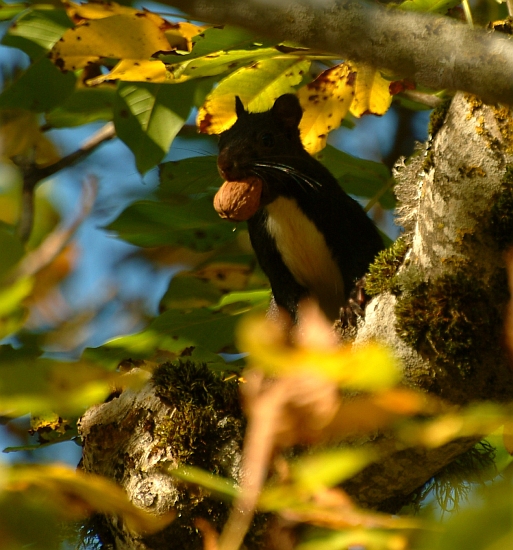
267, 139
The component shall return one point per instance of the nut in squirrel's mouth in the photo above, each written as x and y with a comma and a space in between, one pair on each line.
239, 200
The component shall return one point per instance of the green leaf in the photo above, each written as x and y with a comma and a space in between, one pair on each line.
200, 333
192, 223
148, 116
187, 292
12, 251
8, 11
433, 6
360, 177
218, 39
326, 469
221, 486
83, 106
36, 31
192, 175
219, 62
39, 89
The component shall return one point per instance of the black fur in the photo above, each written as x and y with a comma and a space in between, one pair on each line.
268, 145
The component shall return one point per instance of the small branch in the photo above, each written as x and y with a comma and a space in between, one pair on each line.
429, 100
32, 175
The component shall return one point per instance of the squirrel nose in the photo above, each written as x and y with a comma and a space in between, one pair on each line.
227, 167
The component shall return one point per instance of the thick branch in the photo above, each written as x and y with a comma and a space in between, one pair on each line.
437, 52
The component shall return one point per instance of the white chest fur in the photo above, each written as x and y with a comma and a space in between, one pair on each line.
305, 253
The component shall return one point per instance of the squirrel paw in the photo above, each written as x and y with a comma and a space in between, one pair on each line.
355, 307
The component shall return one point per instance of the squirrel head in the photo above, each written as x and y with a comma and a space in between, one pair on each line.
272, 136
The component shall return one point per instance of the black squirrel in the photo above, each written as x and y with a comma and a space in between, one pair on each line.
309, 236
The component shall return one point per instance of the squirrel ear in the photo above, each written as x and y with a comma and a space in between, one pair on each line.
288, 109
239, 107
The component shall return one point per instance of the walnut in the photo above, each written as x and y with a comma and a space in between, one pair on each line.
238, 200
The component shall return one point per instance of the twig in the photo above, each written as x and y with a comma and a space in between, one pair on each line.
32, 175
429, 100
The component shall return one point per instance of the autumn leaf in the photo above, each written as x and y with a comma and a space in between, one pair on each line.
77, 494
135, 36
20, 135
371, 94
134, 70
258, 86
325, 101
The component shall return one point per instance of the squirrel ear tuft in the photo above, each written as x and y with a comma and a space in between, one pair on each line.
288, 110
239, 107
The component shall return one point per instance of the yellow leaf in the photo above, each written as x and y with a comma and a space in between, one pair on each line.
180, 35
325, 101
77, 494
134, 71
372, 95
20, 136
95, 10
124, 36
370, 367
258, 86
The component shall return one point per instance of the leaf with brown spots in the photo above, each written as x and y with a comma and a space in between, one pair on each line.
258, 86
325, 101
125, 36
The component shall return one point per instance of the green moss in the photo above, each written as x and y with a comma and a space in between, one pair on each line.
451, 320
200, 398
501, 215
205, 429
451, 485
382, 272
437, 118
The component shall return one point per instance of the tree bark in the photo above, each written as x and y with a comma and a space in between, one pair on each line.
437, 52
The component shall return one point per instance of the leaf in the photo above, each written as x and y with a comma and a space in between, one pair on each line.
83, 106
96, 10
148, 117
189, 292
370, 367
364, 178
433, 6
20, 135
203, 330
372, 92
8, 10
76, 494
192, 175
217, 39
326, 469
221, 486
193, 223
135, 36
12, 311
40, 88
258, 87
134, 70
12, 252
217, 63
37, 385
36, 31
325, 102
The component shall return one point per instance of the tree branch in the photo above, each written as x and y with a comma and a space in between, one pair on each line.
33, 174
437, 52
